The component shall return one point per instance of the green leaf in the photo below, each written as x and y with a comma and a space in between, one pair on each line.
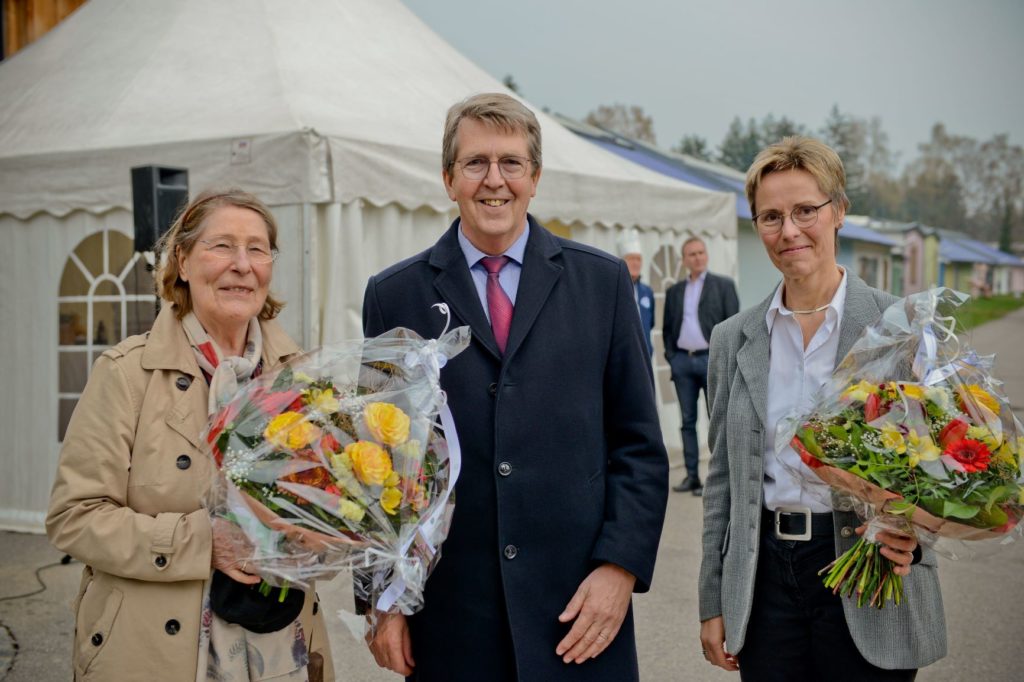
951, 509
811, 443
284, 380
991, 518
839, 433
998, 494
898, 507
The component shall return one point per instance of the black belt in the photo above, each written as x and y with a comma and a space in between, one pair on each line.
691, 353
792, 523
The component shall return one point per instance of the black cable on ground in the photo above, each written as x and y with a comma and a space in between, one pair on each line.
65, 560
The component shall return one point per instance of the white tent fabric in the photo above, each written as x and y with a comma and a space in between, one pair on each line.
333, 101
330, 110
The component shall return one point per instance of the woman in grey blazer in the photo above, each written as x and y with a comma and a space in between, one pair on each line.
767, 529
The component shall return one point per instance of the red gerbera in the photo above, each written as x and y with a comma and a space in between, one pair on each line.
973, 455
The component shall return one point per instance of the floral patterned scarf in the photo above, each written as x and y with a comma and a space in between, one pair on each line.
229, 652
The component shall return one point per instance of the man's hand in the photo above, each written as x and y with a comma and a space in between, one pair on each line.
391, 646
599, 607
712, 638
897, 548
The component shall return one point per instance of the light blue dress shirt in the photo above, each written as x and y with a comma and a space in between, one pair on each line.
508, 278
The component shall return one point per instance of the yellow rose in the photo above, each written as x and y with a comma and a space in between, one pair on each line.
370, 463
860, 391
892, 439
390, 498
291, 430
387, 423
323, 401
350, 510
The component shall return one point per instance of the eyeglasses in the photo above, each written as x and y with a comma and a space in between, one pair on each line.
804, 217
510, 167
226, 250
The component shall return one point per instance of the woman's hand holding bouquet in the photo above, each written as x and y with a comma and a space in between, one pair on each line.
336, 461
913, 427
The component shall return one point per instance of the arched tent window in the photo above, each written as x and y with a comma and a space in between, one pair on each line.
106, 295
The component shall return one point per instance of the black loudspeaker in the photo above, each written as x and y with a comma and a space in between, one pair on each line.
158, 194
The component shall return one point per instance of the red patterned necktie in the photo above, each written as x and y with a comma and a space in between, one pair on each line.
498, 303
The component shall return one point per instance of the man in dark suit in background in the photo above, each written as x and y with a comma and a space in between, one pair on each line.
561, 499
692, 309
629, 250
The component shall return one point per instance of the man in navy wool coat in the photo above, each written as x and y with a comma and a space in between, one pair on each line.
561, 499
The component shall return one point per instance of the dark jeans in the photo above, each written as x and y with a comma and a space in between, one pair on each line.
690, 376
797, 630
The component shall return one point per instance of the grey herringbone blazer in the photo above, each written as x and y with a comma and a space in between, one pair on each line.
911, 635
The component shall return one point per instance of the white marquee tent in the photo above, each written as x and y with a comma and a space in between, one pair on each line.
330, 110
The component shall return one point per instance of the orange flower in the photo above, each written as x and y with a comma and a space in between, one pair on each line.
387, 423
370, 463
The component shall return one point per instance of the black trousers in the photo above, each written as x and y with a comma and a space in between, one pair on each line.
797, 630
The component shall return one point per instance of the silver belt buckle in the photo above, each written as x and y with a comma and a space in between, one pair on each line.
805, 511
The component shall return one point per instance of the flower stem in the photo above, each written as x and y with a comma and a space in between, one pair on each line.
862, 572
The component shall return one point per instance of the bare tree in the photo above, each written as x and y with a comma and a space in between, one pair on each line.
630, 121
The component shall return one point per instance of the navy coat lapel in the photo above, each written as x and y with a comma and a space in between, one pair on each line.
456, 287
539, 275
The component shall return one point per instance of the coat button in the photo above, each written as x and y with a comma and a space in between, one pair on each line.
316, 607
97, 639
183, 462
172, 627
493, 389
504, 468
846, 531
511, 551
160, 561
183, 383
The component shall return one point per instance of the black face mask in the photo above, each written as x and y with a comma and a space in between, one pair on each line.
243, 604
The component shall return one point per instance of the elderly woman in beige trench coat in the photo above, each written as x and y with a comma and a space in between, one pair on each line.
126, 501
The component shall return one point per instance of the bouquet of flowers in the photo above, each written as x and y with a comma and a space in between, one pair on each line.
913, 427
335, 461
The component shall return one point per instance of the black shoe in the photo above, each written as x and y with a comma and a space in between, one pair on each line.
688, 483
698, 491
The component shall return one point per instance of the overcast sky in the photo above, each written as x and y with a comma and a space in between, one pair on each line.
693, 66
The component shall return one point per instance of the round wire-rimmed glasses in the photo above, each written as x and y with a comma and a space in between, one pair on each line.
804, 217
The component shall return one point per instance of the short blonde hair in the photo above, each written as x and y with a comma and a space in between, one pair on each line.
495, 110
181, 238
800, 153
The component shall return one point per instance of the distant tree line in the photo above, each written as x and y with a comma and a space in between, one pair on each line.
955, 181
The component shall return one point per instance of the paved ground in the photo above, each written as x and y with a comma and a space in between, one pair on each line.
983, 599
